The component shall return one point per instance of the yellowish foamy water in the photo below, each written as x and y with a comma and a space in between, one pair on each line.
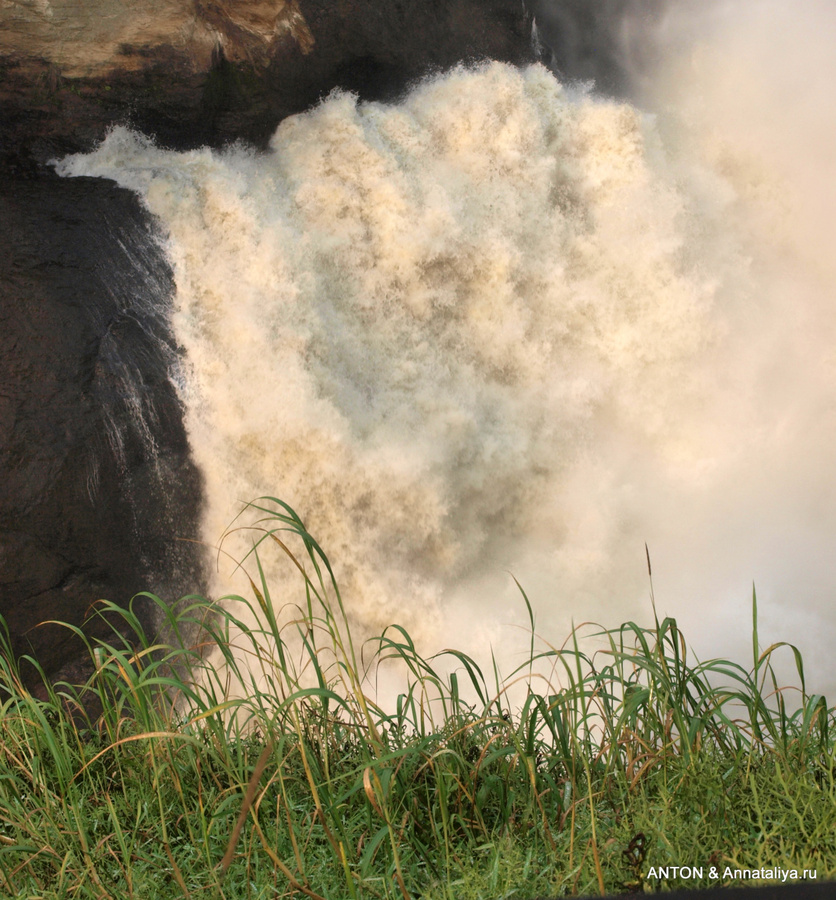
507, 326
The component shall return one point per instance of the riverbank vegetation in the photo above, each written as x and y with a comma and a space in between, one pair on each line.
186, 768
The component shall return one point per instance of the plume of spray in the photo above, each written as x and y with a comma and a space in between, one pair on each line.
741, 97
508, 325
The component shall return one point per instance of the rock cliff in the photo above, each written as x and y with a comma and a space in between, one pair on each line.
196, 72
97, 484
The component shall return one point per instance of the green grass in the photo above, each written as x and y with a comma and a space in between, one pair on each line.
269, 770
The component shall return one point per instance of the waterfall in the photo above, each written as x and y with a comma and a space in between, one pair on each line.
507, 325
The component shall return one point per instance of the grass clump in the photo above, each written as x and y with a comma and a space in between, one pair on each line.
238, 761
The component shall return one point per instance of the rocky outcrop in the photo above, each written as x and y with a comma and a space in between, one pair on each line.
97, 481
197, 72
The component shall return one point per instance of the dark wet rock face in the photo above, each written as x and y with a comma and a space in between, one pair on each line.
96, 477
611, 43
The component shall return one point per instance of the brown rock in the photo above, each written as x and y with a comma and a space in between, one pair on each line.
211, 71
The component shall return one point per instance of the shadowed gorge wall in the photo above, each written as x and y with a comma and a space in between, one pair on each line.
97, 484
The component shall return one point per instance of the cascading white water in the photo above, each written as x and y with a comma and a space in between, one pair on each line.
506, 325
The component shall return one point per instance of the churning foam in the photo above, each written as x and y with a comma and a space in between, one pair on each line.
507, 326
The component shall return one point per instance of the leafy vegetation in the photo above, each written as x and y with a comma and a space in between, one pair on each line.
235, 761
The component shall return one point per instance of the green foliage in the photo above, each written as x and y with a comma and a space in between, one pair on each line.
237, 760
